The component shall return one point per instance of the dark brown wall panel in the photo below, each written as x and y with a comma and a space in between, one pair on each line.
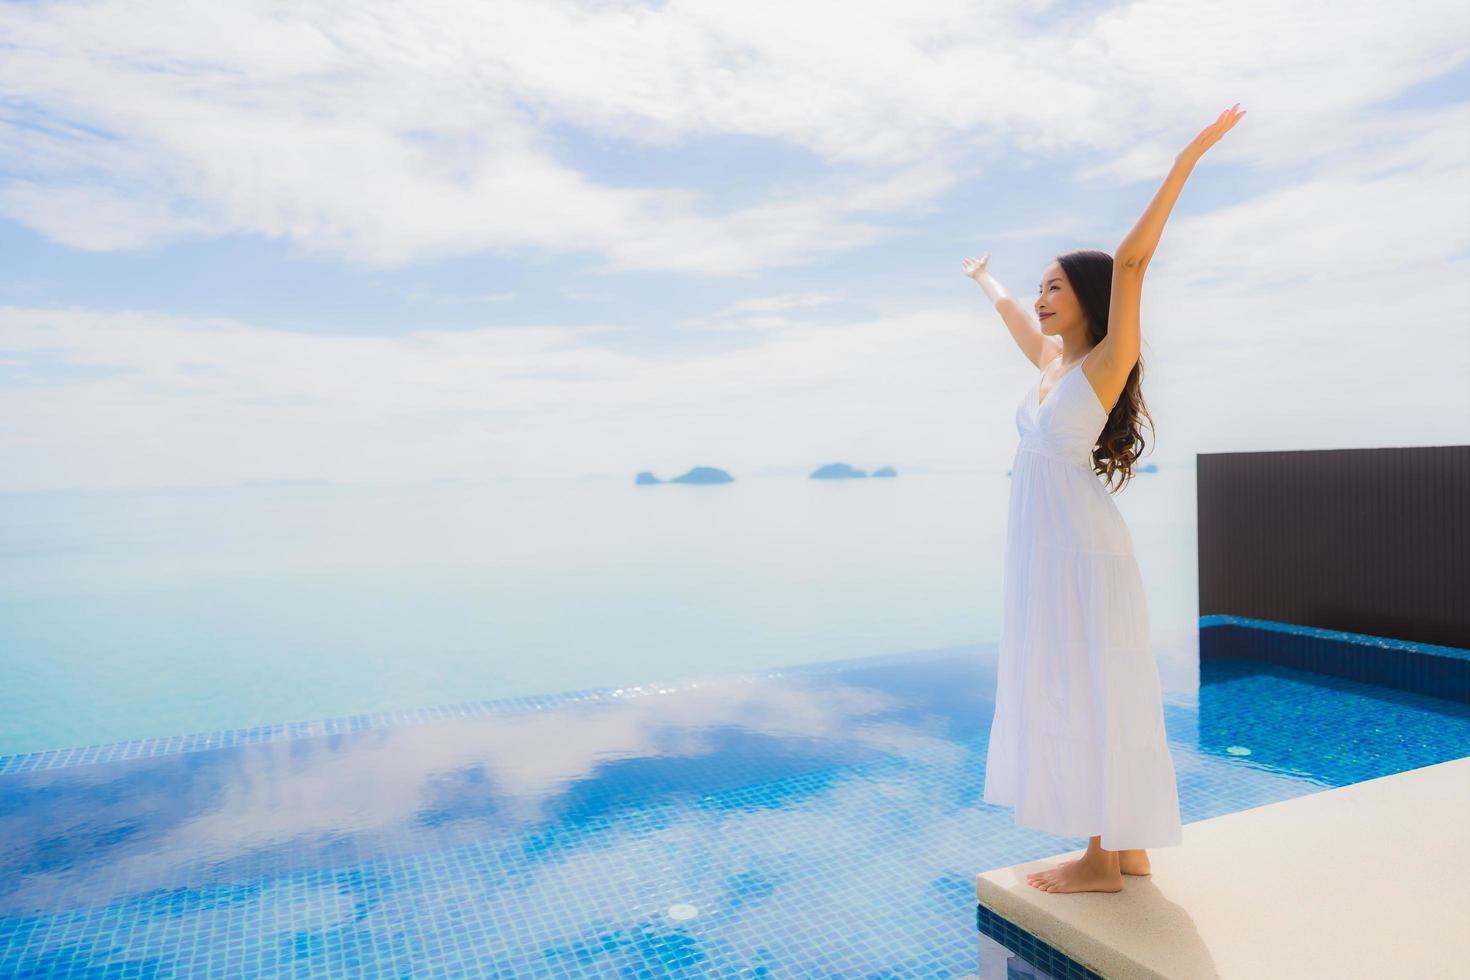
1370, 541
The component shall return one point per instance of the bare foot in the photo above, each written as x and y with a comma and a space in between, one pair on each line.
1134, 862
1076, 876
1033, 875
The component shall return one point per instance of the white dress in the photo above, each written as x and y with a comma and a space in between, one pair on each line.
1077, 745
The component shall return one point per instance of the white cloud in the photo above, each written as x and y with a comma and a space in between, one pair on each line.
189, 401
767, 304
1326, 283
1351, 346
389, 133
760, 313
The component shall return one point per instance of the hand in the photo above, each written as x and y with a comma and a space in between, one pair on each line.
975, 268
1211, 134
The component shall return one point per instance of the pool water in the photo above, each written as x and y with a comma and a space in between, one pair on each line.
814, 821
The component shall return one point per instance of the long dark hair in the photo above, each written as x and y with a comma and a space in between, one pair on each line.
1121, 443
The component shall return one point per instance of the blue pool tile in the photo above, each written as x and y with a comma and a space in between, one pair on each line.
1424, 668
821, 821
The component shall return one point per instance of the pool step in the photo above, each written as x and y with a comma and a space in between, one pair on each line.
1424, 668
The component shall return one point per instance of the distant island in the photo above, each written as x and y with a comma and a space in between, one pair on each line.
841, 471
711, 474
700, 474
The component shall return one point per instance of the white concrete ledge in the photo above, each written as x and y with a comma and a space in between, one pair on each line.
1364, 881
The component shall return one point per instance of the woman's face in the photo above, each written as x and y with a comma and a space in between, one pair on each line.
1054, 296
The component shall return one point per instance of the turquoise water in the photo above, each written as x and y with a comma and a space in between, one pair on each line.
143, 614
812, 822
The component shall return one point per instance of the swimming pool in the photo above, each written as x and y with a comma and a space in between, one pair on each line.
813, 821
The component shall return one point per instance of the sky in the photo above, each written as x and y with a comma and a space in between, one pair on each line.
393, 242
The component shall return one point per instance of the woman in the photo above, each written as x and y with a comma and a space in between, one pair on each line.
1077, 745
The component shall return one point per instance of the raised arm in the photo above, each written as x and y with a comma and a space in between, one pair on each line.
1137, 248
1025, 331
1139, 244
